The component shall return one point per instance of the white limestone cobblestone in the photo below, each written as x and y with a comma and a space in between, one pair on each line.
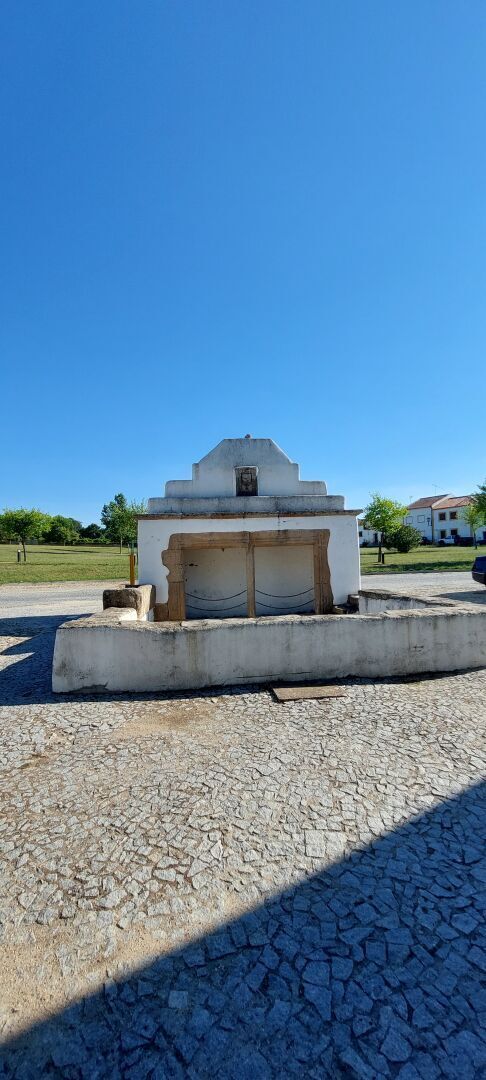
314, 873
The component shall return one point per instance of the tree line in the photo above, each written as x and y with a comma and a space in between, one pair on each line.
386, 517
118, 525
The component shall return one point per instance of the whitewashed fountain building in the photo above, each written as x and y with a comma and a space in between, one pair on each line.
247, 537
245, 572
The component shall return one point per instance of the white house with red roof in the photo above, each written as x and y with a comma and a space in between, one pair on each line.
440, 517
436, 517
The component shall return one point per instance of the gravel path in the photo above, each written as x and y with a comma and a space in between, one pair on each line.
457, 586
457, 580
62, 598
81, 598
217, 885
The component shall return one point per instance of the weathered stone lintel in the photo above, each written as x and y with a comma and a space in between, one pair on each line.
174, 559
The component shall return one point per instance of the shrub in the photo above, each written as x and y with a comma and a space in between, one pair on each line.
403, 538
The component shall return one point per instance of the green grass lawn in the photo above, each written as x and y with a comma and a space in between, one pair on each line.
46, 562
421, 559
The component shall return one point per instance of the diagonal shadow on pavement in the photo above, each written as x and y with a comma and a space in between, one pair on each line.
373, 967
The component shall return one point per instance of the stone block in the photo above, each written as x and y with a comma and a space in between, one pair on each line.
139, 597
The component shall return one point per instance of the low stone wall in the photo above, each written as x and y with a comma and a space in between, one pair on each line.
102, 653
376, 601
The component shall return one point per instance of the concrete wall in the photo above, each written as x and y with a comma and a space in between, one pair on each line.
343, 552
110, 656
374, 602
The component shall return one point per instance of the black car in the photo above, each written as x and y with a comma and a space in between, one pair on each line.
479, 569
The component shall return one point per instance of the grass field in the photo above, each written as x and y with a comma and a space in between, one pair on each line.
99, 563
46, 562
420, 560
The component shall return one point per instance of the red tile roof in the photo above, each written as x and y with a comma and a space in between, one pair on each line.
430, 500
450, 502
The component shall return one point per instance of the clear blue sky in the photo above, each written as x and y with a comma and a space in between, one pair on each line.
223, 217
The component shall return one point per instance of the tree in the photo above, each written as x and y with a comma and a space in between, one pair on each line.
63, 530
135, 508
480, 499
403, 538
4, 532
474, 517
91, 532
384, 515
120, 519
22, 525
114, 517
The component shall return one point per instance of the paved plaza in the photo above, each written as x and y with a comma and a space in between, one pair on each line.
219, 885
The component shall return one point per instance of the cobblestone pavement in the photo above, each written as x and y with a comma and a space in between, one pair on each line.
220, 885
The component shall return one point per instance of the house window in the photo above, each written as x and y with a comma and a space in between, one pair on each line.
442, 516
443, 534
421, 517
246, 481
453, 515
360, 532
453, 532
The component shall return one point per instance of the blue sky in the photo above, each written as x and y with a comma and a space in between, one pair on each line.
223, 217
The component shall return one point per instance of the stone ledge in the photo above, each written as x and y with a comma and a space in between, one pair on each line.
111, 615
246, 506
378, 601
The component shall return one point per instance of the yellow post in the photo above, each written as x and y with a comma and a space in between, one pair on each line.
132, 569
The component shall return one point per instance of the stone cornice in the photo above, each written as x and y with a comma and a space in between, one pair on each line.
248, 514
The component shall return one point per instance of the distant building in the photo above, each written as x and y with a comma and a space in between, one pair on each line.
436, 517
420, 514
367, 536
440, 517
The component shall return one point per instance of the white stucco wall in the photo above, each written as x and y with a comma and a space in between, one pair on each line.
215, 581
343, 551
214, 474
368, 536
171, 656
429, 524
284, 579
450, 523
420, 519
220, 575
374, 602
